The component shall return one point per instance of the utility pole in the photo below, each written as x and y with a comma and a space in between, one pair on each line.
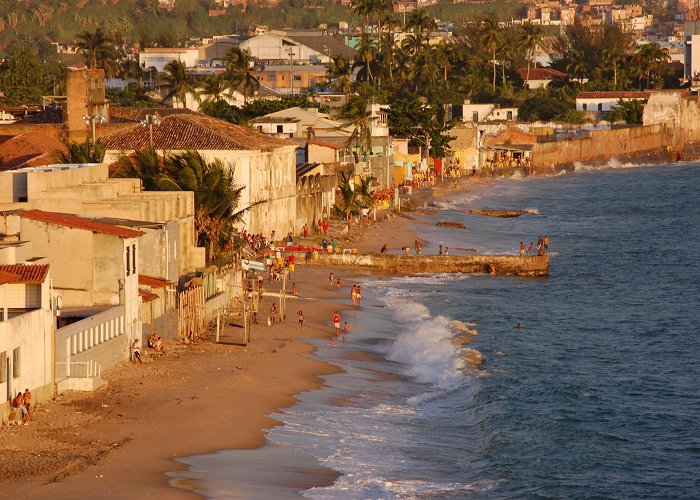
149, 121
90, 121
290, 51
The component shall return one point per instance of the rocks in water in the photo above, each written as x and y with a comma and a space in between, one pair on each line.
458, 225
497, 213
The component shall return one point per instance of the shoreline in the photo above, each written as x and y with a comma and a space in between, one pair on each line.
122, 439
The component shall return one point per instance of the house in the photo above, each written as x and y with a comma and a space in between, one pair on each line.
29, 149
302, 124
292, 77
597, 102
95, 282
477, 113
26, 328
159, 57
263, 164
297, 46
538, 78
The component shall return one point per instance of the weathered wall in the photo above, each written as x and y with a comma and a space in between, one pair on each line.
601, 146
313, 193
504, 264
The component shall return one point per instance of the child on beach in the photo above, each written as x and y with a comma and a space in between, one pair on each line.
337, 284
300, 315
330, 278
273, 315
345, 331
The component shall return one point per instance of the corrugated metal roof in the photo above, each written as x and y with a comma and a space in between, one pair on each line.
80, 223
153, 282
26, 273
179, 132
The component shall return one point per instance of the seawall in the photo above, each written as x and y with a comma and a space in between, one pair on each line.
513, 265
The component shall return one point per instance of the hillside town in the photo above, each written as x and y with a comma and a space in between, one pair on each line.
142, 187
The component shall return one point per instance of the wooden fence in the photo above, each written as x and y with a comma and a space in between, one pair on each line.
191, 313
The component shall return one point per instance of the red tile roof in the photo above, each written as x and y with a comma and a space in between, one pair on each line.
79, 223
192, 131
25, 273
8, 278
614, 94
30, 149
153, 282
129, 114
541, 73
147, 296
326, 144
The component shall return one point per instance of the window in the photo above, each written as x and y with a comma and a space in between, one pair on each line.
133, 257
297, 78
600, 106
280, 129
475, 116
510, 115
585, 106
128, 261
15, 363
3, 367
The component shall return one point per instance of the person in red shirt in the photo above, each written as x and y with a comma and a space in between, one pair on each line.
336, 323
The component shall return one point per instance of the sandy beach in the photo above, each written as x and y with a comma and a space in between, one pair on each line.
120, 440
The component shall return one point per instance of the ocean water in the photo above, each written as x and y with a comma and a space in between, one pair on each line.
597, 396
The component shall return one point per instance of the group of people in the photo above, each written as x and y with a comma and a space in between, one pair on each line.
542, 246
336, 324
356, 294
23, 401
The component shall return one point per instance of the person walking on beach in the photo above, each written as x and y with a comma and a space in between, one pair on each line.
358, 295
440, 249
529, 249
522, 248
330, 279
345, 331
336, 323
273, 315
337, 284
300, 315
353, 293
545, 244
447, 250
419, 247
305, 230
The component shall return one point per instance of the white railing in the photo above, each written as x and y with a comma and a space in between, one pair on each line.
81, 369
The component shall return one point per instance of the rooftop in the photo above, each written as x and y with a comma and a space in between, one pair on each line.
76, 222
24, 273
192, 131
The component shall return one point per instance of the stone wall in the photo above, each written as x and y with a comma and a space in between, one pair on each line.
627, 144
313, 193
405, 264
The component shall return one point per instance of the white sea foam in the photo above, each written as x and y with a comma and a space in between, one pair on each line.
612, 163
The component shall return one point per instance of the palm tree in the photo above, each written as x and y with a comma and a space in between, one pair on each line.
420, 22
339, 73
652, 59
356, 116
529, 40
366, 54
213, 87
238, 71
354, 197
613, 59
577, 65
132, 71
146, 165
490, 35
179, 81
96, 48
86, 152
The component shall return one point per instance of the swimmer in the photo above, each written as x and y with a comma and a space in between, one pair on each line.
519, 325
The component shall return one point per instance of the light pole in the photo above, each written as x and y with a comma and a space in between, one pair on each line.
91, 120
149, 121
290, 51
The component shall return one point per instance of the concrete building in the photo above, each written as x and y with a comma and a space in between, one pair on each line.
308, 46
291, 78
26, 327
477, 113
538, 78
600, 102
263, 164
158, 58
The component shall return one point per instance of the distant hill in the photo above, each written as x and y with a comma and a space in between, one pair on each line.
142, 22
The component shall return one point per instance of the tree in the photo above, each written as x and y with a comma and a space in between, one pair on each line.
179, 81
650, 60
238, 72
356, 116
86, 152
529, 40
630, 111
97, 49
339, 74
489, 33
353, 197
148, 166
24, 77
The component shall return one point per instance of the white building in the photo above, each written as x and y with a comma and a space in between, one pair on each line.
597, 102
159, 57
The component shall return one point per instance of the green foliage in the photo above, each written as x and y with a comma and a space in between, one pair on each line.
545, 105
628, 111
24, 77
572, 116
223, 111
132, 96
76, 152
261, 107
